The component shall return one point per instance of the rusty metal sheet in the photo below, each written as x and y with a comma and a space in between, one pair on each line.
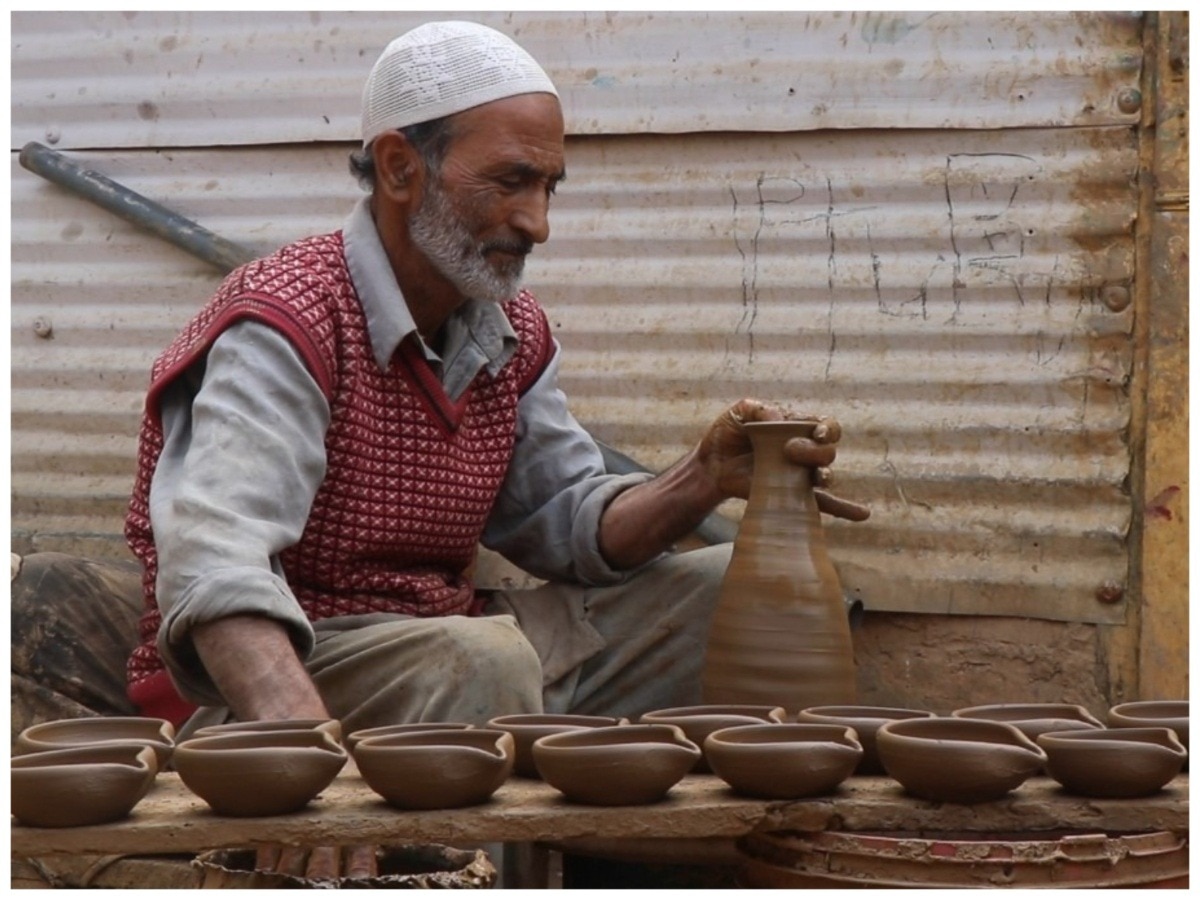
161, 78
956, 298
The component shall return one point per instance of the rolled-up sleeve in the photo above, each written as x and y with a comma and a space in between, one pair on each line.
241, 463
547, 516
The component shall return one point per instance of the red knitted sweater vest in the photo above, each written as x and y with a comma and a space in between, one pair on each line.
411, 476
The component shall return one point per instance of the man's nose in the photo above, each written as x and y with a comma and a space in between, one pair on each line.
531, 216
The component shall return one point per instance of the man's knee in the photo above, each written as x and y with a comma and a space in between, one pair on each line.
454, 669
490, 648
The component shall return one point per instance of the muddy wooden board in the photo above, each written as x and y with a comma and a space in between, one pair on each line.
170, 819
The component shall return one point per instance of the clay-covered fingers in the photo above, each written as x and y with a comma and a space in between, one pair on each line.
841, 508
810, 453
827, 431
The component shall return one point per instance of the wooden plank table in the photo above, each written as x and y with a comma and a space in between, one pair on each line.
170, 819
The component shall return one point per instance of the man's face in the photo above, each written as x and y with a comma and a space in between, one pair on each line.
481, 214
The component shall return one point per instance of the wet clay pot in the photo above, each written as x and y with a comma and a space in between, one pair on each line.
865, 720
620, 766
951, 760
87, 785
1113, 762
267, 773
528, 727
353, 739
698, 722
156, 733
444, 769
780, 634
783, 761
1032, 719
332, 727
1171, 714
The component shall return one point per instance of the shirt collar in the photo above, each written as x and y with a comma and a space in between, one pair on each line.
478, 326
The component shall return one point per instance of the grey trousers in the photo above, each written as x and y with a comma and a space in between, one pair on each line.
617, 650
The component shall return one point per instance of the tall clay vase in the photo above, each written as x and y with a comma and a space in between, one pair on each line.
780, 633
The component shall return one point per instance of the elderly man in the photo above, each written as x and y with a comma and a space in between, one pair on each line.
330, 438
328, 441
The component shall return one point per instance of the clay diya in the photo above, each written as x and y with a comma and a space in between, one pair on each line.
698, 722
353, 739
783, 761
1171, 714
865, 720
330, 726
436, 769
528, 727
955, 760
619, 766
1113, 762
1032, 719
259, 773
156, 733
87, 785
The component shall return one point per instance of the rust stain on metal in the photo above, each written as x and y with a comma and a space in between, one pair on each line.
1160, 506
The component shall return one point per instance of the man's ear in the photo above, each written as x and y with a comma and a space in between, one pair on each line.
398, 168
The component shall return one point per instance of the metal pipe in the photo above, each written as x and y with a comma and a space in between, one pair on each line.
134, 208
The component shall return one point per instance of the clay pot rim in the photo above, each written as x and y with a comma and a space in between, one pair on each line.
785, 734
708, 712
42, 733
1113, 739
1006, 734
362, 734
236, 743
268, 726
646, 736
138, 757
464, 741
1143, 712
871, 713
1029, 712
539, 720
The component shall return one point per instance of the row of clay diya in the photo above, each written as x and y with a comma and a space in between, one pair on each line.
90, 771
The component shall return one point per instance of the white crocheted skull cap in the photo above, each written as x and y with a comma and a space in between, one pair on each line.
441, 68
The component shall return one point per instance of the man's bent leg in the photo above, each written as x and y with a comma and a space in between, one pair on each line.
452, 669
639, 645
74, 624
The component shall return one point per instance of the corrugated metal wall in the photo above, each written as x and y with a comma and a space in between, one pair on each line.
922, 224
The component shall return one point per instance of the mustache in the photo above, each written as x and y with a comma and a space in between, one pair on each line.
516, 247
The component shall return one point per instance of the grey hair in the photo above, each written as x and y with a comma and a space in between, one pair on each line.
430, 139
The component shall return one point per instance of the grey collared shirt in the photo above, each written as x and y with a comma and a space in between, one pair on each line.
244, 455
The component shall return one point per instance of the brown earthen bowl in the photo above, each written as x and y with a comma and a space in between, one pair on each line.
1113, 762
156, 733
783, 761
88, 785
954, 760
1171, 714
263, 773
865, 720
353, 739
1033, 719
698, 722
331, 726
619, 766
528, 727
444, 769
